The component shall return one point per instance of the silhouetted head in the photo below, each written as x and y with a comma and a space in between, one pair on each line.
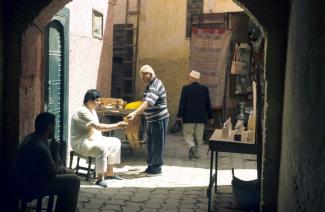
45, 124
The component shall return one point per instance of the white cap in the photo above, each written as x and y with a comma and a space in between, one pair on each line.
147, 69
195, 74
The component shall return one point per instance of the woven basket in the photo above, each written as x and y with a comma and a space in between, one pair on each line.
114, 102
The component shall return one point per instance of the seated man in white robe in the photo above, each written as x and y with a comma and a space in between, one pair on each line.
87, 138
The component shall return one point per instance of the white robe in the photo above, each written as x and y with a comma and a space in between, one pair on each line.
90, 141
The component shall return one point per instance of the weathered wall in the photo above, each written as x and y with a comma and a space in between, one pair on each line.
220, 6
162, 41
119, 11
31, 79
162, 44
302, 184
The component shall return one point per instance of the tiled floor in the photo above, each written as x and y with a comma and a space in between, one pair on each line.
181, 187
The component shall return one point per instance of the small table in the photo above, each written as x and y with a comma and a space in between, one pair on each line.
219, 144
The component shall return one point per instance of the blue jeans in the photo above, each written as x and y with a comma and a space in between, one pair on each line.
156, 136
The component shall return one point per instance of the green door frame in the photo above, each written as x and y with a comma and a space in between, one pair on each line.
62, 17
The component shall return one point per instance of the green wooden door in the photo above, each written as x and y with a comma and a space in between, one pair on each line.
55, 76
57, 72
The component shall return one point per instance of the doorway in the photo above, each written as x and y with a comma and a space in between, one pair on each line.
123, 71
56, 74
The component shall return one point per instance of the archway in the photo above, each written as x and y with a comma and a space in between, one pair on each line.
275, 31
31, 95
272, 18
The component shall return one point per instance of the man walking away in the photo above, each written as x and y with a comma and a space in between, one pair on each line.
195, 110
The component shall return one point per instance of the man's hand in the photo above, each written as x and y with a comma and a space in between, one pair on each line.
138, 111
55, 152
54, 147
131, 116
122, 124
211, 121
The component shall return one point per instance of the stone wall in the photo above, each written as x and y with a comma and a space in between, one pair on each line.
302, 185
272, 17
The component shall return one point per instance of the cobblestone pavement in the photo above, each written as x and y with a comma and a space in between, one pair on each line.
181, 187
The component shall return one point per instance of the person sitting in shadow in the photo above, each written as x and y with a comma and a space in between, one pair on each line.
39, 168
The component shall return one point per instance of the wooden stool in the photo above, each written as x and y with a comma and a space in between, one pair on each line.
90, 171
38, 208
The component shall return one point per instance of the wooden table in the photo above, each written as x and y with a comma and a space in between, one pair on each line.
219, 144
133, 128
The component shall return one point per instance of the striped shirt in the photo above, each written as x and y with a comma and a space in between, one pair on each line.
155, 96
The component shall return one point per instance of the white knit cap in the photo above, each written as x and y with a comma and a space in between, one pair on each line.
195, 74
147, 69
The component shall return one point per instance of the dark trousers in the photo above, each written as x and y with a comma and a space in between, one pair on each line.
156, 136
66, 187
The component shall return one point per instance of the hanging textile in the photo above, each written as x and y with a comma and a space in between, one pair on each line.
208, 55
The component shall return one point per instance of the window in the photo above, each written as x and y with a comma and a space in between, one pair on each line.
193, 7
97, 24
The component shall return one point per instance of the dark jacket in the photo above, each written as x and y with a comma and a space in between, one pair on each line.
195, 104
35, 165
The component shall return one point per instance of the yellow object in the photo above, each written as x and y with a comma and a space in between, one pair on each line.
133, 105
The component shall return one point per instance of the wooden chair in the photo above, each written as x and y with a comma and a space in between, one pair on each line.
89, 170
132, 133
39, 208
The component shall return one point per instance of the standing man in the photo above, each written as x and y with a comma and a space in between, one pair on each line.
154, 108
87, 138
195, 110
40, 170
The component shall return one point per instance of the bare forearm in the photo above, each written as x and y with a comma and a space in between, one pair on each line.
55, 166
142, 108
138, 111
107, 127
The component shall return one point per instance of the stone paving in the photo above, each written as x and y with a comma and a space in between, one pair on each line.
181, 187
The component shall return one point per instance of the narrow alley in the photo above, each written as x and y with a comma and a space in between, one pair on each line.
261, 62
